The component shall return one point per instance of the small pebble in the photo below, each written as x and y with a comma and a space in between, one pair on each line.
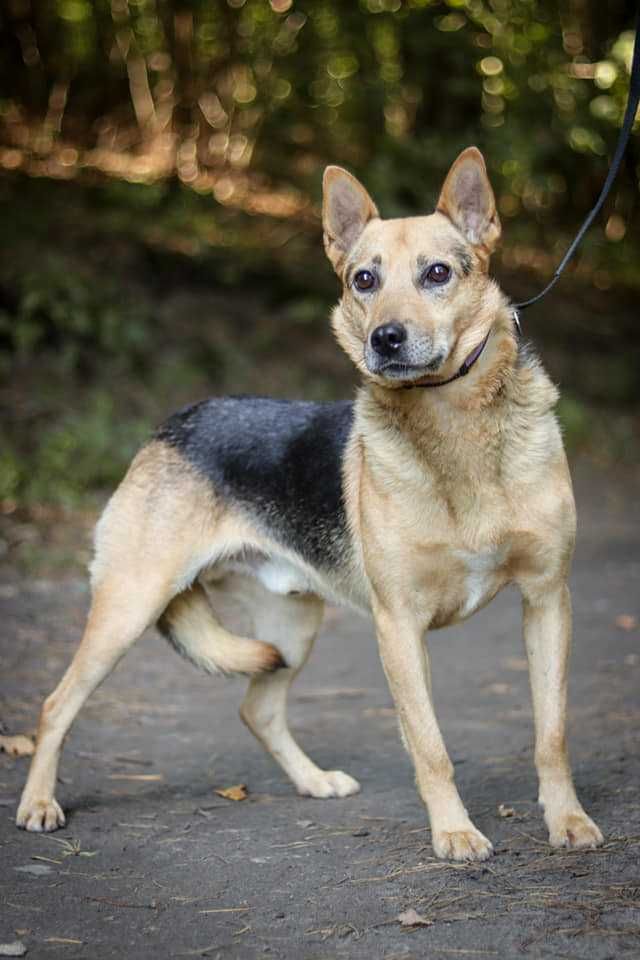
15, 949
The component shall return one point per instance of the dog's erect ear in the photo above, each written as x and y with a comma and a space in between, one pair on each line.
468, 201
346, 210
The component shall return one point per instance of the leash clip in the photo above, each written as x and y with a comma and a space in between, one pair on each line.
516, 321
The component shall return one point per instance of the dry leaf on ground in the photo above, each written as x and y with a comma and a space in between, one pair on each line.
410, 918
236, 792
626, 622
17, 746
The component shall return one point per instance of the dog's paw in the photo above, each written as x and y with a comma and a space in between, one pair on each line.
574, 830
329, 783
40, 816
467, 844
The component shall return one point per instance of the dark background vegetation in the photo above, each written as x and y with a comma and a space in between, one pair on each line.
160, 166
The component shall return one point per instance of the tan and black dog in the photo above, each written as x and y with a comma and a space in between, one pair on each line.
418, 502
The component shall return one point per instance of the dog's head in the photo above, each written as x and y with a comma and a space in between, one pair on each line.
416, 294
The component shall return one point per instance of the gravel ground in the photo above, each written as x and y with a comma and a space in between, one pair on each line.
153, 863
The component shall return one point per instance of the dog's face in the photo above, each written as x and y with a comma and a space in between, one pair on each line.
415, 290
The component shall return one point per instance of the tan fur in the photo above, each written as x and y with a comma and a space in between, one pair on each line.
451, 493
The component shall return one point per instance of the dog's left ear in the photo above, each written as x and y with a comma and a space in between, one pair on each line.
346, 210
468, 201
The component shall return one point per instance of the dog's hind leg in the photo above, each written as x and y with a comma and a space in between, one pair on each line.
150, 541
119, 614
291, 623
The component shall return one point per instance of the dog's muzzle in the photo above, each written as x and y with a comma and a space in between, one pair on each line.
394, 353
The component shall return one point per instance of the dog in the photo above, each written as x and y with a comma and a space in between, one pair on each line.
443, 482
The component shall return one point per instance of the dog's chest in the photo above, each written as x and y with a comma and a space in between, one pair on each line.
482, 577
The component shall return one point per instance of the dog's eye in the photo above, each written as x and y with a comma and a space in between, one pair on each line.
438, 273
364, 280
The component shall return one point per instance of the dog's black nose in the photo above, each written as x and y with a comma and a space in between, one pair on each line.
388, 338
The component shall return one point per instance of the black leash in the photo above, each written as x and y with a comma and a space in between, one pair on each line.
633, 99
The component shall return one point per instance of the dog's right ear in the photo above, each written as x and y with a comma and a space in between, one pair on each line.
346, 210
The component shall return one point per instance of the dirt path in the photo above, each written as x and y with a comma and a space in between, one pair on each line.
162, 867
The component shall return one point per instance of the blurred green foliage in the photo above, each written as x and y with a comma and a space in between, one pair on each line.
392, 88
64, 312
87, 448
160, 163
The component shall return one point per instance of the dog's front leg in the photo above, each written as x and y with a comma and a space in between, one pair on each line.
405, 663
547, 632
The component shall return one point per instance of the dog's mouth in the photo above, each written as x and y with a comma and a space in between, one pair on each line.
396, 370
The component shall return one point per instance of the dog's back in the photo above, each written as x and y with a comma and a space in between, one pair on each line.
278, 461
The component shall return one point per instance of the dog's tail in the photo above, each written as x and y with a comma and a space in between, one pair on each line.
190, 626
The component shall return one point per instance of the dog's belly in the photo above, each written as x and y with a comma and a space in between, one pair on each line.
276, 574
291, 576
